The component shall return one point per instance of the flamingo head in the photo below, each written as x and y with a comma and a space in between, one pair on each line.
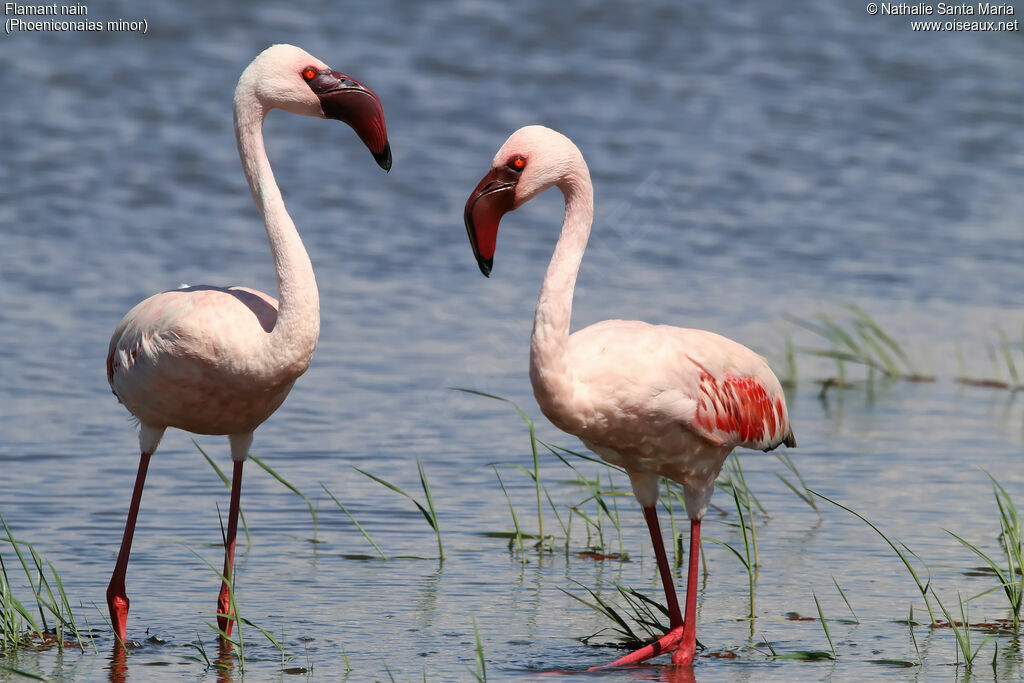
533, 159
287, 77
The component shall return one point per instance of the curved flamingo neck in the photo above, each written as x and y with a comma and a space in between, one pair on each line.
295, 333
550, 372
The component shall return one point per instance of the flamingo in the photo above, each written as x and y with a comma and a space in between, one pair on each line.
220, 360
655, 400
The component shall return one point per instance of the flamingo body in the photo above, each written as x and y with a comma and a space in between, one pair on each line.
214, 360
197, 359
661, 400
655, 400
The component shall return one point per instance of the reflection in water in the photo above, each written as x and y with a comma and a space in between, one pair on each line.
429, 595
225, 662
118, 664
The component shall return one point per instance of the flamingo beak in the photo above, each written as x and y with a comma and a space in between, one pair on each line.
492, 199
348, 100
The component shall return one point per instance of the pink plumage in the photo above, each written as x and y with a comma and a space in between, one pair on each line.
221, 360
654, 399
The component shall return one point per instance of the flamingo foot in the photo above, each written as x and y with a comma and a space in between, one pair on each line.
683, 656
225, 616
117, 603
669, 641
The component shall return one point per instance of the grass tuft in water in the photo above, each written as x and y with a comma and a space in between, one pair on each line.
745, 499
293, 489
359, 526
749, 556
429, 513
962, 631
1011, 575
861, 340
641, 610
238, 641
518, 538
533, 450
17, 624
904, 554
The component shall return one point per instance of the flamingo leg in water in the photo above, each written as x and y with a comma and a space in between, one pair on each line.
674, 617
684, 654
681, 639
225, 615
117, 599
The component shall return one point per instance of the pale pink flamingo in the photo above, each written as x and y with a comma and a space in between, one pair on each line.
655, 400
220, 360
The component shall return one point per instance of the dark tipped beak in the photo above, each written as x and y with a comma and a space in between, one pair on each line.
346, 99
485, 265
383, 159
492, 199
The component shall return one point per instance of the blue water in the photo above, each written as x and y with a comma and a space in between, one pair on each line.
751, 161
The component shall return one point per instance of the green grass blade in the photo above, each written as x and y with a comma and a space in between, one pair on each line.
227, 483
824, 624
602, 607
292, 488
28, 574
921, 586
533, 449
430, 505
1008, 357
842, 594
481, 665
735, 552
880, 333
582, 456
423, 510
512, 509
359, 526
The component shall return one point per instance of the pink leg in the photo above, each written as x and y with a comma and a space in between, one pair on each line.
684, 655
225, 617
674, 617
677, 629
117, 599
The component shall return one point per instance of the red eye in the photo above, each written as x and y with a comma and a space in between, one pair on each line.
309, 73
517, 163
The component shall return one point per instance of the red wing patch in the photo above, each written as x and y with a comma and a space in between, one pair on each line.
738, 411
